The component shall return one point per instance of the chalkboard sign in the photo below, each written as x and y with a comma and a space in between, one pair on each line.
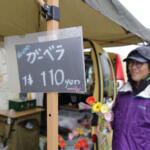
52, 66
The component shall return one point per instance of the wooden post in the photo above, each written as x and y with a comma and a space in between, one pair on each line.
52, 98
52, 121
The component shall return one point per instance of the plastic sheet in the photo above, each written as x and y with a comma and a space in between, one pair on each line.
29, 40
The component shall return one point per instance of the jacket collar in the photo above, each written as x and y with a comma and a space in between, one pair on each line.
145, 93
126, 88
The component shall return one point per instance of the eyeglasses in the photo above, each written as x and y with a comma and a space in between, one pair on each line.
131, 63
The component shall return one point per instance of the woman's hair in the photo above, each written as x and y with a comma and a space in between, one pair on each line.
149, 65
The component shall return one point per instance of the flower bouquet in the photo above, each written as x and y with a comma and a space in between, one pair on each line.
104, 110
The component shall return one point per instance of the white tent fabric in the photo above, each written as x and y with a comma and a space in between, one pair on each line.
114, 10
108, 23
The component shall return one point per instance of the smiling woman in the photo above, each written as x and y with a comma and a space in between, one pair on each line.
138, 71
138, 65
132, 106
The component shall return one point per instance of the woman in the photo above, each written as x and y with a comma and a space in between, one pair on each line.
131, 124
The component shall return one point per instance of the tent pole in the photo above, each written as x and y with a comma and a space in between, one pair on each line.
52, 98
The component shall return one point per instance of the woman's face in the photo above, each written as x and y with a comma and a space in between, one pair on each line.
138, 70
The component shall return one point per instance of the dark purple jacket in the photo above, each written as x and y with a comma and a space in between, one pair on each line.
131, 125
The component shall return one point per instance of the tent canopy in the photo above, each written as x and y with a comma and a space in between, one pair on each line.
19, 17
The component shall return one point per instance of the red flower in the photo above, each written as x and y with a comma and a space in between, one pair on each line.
90, 100
77, 146
59, 138
62, 144
84, 142
86, 146
81, 144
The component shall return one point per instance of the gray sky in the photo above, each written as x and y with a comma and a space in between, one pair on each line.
139, 9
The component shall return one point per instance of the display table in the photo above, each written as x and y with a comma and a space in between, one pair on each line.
21, 113
20, 131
